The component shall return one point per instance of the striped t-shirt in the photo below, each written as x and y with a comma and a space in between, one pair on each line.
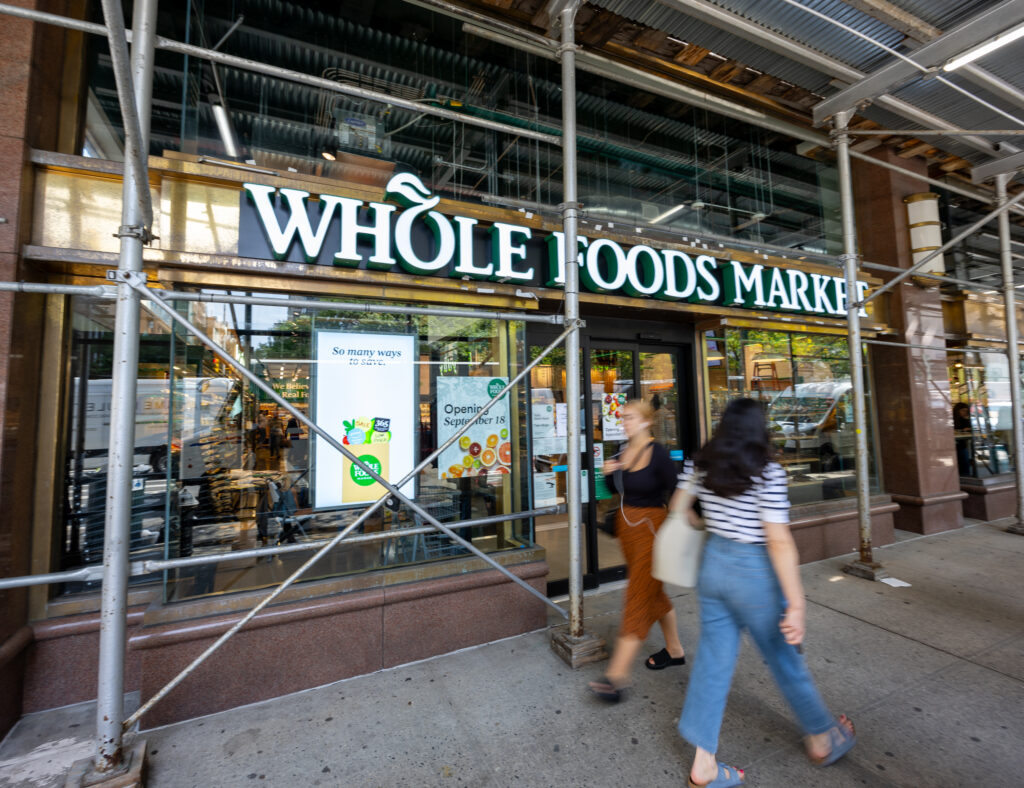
740, 518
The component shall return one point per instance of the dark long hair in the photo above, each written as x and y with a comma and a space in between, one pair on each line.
738, 451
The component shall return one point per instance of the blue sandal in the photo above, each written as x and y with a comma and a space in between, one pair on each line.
728, 777
842, 741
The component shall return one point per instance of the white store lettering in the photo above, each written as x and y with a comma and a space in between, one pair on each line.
423, 241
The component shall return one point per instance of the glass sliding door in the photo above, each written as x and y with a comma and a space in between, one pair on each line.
612, 384
613, 374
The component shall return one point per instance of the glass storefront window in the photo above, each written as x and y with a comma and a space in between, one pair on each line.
979, 385
804, 382
220, 467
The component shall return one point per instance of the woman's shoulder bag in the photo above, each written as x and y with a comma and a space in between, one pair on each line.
678, 545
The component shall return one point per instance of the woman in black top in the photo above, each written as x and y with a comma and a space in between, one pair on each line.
646, 482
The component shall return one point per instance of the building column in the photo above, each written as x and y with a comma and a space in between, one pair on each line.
910, 386
32, 79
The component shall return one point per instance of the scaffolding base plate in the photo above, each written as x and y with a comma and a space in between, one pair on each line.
1015, 528
865, 570
576, 652
81, 774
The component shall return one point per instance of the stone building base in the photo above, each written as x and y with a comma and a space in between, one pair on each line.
990, 499
310, 639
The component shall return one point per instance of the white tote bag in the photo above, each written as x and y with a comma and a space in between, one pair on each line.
678, 546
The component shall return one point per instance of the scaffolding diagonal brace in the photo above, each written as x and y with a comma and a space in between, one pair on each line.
138, 283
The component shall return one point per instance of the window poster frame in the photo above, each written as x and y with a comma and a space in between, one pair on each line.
389, 398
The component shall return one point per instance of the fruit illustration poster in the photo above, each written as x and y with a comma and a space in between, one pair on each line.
486, 447
364, 395
611, 417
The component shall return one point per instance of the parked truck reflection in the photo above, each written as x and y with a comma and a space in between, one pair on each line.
814, 422
164, 429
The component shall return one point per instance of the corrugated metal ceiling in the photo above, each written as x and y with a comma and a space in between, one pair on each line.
797, 25
692, 30
943, 14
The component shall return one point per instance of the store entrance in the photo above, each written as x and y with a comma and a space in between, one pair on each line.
613, 371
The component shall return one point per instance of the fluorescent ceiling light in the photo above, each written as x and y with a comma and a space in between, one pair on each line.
227, 133
981, 50
668, 214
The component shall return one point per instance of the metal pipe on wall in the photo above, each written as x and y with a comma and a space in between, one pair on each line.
570, 213
1012, 348
134, 232
865, 566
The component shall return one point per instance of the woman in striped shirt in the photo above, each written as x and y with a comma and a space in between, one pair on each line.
749, 579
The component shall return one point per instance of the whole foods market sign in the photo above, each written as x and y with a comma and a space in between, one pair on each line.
407, 233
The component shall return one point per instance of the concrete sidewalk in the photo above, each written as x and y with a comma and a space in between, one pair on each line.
932, 674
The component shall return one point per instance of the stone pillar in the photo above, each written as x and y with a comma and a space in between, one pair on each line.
910, 386
31, 87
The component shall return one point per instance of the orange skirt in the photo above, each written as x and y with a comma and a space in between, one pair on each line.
646, 601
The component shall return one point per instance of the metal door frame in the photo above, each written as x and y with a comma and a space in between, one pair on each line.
634, 339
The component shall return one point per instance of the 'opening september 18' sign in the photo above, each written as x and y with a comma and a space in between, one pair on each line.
406, 232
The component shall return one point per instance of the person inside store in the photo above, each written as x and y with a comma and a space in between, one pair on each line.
298, 458
268, 440
962, 432
749, 580
644, 476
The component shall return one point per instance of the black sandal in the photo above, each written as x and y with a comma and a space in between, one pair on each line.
606, 690
663, 660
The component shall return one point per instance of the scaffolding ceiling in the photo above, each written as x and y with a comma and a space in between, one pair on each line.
782, 55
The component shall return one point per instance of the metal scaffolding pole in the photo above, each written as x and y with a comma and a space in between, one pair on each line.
157, 565
865, 566
947, 349
90, 573
1012, 348
570, 214
573, 644
936, 132
134, 97
134, 89
939, 279
311, 303
96, 291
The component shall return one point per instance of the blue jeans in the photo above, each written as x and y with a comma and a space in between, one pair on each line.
737, 589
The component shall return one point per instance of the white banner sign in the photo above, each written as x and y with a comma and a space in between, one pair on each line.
365, 395
485, 448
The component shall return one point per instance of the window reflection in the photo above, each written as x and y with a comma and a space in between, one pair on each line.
804, 382
220, 466
979, 385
